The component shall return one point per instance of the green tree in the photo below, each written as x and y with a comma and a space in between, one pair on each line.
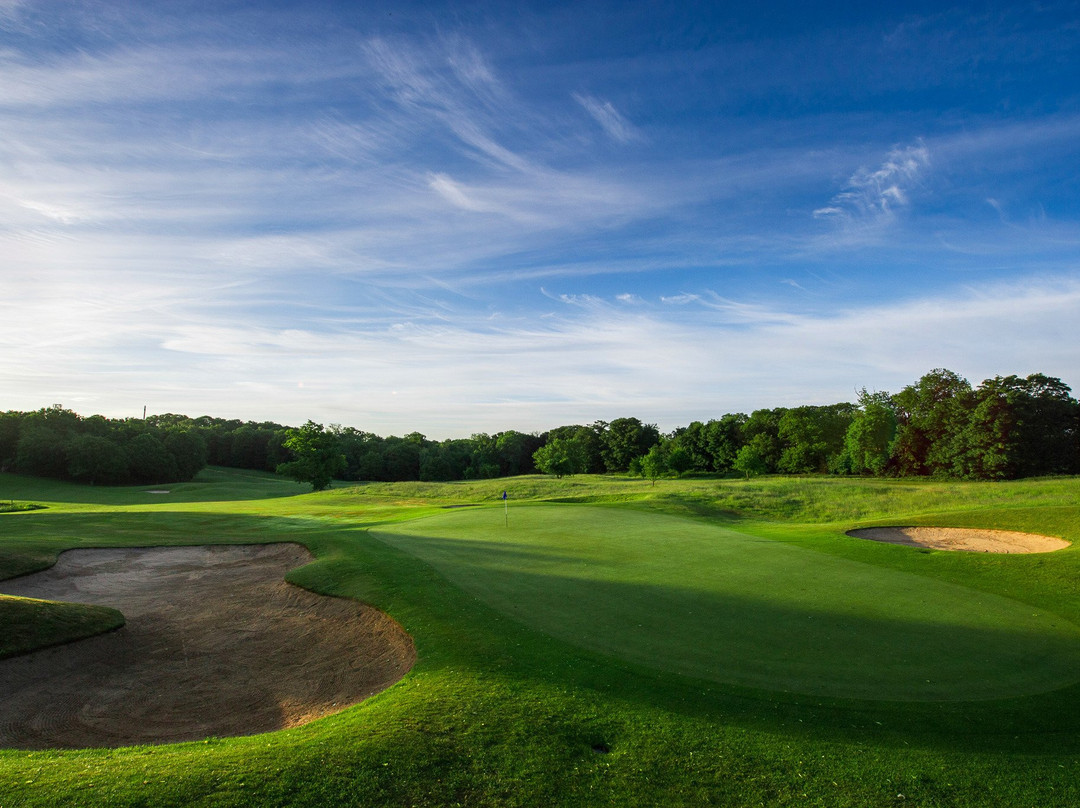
41, 451
1049, 431
723, 439
61, 421
515, 451
10, 423
691, 442
249, 448
188, 450
401, 457
811, 436
484, 462
654, 463
625, 439
318, 457
1019, 428
96, 460
561, 457
762, 430
363, 454
447, 460
588, 438
869, 440
149, 461
931, 416
679, 459
750, 461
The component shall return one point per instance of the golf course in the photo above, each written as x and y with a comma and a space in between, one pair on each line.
589, 640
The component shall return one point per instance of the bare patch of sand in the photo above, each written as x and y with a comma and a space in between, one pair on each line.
960, 538
216, 644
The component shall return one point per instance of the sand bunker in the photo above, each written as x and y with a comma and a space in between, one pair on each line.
216, 644
962, 538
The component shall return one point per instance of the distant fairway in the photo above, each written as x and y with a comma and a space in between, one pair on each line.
708, 602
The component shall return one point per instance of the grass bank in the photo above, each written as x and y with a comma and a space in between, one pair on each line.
29, 623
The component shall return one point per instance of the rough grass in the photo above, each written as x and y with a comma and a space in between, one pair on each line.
805, 499
502, 710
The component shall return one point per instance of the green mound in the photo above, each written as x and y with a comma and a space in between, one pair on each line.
716, 604
17, 507
29, 624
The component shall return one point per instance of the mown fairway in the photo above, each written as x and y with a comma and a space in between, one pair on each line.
697, 642
718, 604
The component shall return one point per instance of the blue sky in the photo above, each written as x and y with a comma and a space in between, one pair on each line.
456, 218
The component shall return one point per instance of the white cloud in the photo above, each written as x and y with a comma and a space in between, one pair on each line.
353, 229
609, 118
10, 11
453, 193
874, 196
680, 299
451, 373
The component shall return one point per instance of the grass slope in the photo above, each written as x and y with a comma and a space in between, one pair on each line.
30, 623
716, 604
508, 706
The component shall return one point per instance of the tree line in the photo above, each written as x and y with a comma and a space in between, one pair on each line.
1007, 427
56, 442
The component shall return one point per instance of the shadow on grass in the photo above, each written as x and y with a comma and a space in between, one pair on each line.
862, 643
31, 542
462, 636
212, 484
1046, 721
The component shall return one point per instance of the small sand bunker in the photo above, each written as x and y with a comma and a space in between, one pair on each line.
972, 540
216, 644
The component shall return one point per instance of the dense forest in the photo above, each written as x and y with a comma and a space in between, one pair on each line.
1005, 428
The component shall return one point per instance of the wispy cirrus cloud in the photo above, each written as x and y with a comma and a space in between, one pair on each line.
610, 119
355, 219
457, 371
455, 92
874, 196
238, 183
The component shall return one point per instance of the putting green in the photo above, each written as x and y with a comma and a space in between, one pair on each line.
708, 602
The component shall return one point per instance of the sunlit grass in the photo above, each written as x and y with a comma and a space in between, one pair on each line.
717, 604
508, 706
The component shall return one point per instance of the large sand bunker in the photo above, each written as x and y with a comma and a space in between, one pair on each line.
216, 644
962, 538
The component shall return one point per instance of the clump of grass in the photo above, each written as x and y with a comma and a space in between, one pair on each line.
16, 507
30, 624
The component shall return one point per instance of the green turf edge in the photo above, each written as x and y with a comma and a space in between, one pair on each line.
19, 507
30, 624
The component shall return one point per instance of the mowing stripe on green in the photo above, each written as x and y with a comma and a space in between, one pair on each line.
708, 602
